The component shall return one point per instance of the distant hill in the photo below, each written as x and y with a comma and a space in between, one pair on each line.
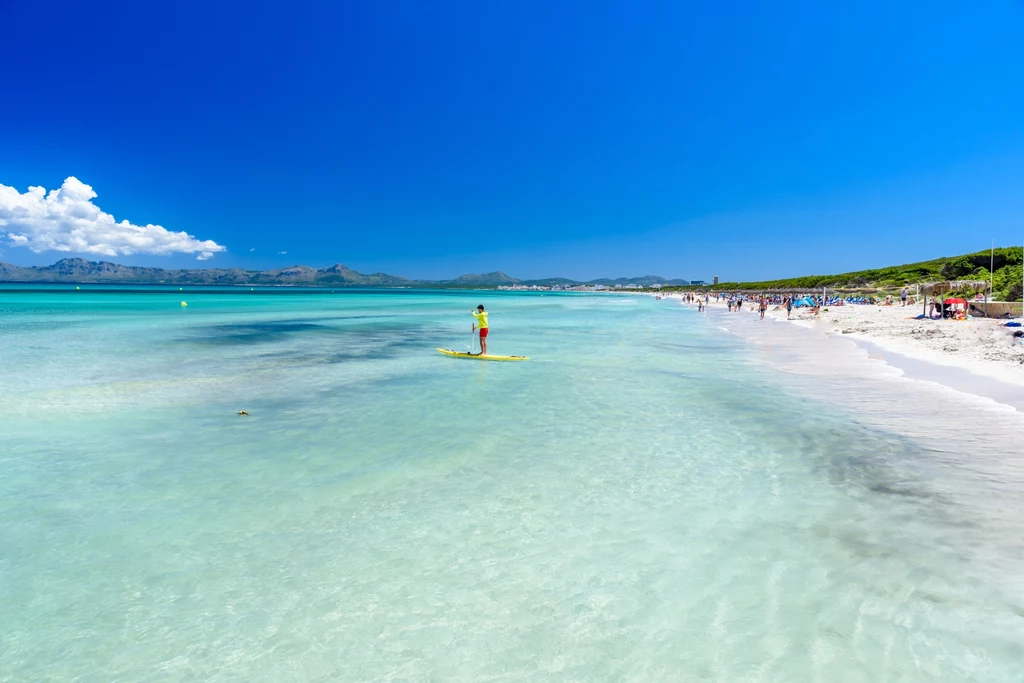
550, 282
644, 281
82, 271
1007, 275
343, 275
486, 279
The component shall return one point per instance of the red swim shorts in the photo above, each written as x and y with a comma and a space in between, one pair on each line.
483, 332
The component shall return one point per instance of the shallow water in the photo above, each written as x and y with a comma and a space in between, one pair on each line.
649, 498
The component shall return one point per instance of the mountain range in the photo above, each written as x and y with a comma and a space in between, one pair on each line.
82, 271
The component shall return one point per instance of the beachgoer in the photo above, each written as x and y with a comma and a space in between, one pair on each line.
481, 323
789, 306
729, 304
903, 297
763, 307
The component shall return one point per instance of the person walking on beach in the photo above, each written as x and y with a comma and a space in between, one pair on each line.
903, 297
728, 303
789, 306
763, 307
480, 322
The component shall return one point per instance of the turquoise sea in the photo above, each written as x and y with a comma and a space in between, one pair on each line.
658, 495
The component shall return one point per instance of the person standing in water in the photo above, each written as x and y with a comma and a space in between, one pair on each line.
481, 323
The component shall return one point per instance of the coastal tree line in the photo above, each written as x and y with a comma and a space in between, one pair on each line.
1006, 274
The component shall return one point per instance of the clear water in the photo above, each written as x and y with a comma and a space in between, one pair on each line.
650, 498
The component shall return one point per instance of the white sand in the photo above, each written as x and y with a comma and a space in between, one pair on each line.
983, 347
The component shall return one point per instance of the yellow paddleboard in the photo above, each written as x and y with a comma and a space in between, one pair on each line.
461, 354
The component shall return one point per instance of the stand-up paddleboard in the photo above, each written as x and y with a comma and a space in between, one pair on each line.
463, 354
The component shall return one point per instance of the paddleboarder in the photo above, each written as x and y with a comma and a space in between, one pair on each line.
481, 323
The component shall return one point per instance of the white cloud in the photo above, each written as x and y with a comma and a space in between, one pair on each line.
67, 220
282, 252
252, 248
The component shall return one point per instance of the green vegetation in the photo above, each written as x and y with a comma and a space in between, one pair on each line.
1007, 280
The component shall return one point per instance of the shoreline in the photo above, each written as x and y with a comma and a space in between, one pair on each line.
977, 357
950, 376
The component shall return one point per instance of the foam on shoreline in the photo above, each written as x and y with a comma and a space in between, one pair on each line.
977, 357
948, 375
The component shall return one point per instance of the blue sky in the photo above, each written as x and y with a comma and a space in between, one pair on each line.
744, 140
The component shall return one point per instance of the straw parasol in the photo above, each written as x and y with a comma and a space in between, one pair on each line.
951, 286
954, 286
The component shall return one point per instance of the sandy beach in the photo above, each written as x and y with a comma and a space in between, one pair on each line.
983, 347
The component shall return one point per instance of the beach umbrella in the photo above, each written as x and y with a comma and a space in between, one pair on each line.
955, 304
